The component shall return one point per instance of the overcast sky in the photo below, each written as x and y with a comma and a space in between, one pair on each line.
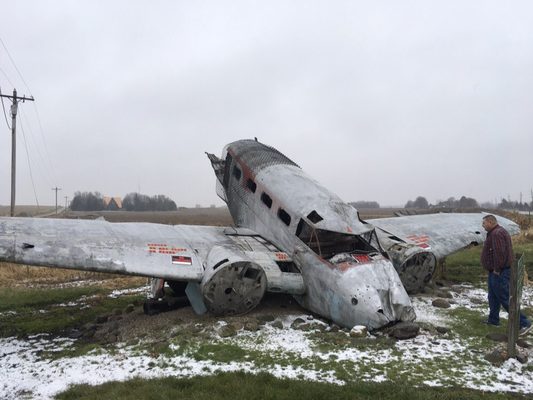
382, 100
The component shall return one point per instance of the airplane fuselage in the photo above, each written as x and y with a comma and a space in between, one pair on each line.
347, 277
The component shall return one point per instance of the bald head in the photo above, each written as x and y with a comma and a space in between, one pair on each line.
489, 222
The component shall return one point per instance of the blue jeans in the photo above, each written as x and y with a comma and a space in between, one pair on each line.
499, 296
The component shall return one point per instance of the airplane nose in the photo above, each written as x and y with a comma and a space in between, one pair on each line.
376, 296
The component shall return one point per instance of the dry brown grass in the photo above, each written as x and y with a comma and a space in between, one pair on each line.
22, 275
525, 236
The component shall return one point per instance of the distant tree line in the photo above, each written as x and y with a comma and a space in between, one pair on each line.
364, 204
463, 202
452, 202
468, 202
142, 202
419, 202
515, 205
94, 201
87, 201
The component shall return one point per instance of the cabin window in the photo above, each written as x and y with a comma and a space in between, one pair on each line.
250, 184
314, 217
284, 216
265, 198
288, 266
236, 172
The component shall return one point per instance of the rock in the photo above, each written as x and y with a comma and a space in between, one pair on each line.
297, 323
311, 326
129, 308
277, 324
442, 329
522, 358
358, 331
522, 343
440, 303
310, 318
496, 357
266, 318
497, 337
443, 294
334, 328
404, 330
227, 331
251, 326
237, 325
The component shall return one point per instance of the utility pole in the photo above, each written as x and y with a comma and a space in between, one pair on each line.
14, 107
66, 203
56, 190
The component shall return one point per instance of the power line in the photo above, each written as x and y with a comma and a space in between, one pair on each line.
29, 165
15, 65
7, 77
44, 170
4, 108
45, 145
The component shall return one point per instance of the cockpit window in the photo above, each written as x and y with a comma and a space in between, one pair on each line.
328, 243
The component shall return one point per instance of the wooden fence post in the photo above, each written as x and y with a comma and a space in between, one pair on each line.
515, 295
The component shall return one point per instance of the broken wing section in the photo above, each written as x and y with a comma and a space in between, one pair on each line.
170, 252
416, 243
442, 234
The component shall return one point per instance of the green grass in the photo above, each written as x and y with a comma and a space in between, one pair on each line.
465, 266
38, 310
14, 299
240, 385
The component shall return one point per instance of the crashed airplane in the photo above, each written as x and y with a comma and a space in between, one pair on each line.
291, 235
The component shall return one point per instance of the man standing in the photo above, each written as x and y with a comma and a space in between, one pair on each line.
496, 258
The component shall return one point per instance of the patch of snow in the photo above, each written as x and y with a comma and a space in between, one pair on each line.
116, 293
425, 312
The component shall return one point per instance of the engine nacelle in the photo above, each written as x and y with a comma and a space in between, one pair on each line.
414, 265
232, 284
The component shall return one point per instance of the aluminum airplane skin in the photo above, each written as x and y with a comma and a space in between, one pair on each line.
291, 235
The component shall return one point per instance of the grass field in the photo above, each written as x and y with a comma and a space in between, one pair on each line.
264, 386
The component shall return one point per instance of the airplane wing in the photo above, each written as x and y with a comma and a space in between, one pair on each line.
180, 252
442, 234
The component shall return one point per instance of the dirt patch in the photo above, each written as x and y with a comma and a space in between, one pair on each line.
132, 326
